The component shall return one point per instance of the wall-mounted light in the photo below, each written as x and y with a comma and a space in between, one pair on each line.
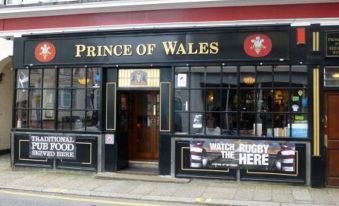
335, 75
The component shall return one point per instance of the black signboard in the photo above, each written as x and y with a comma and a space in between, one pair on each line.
332, 44
157, 47
243, 154
52, 147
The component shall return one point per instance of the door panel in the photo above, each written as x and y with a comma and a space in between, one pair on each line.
143, 137
331, 104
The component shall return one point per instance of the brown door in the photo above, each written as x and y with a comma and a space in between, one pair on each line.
331, 123
144, 119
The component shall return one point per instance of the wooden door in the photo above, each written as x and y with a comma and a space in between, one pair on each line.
331, 124
144, 117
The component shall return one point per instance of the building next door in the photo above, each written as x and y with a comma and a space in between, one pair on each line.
331, 125
139, 119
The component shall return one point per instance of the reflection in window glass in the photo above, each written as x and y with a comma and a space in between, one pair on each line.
93, 99
79, 96
213, 78
78, 120
92, 120
21, 98
48, 119
299, 76
35, 78
94, 76
197, 77
35, 118
65, 98
21, 119
65, 78
331, 77
49, 98
22, 78
228, 123
197, 100
35, 98
49, 78
229, 100
79, 78
64, 120
181, 100
181, 121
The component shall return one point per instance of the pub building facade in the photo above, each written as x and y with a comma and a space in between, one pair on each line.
235, 103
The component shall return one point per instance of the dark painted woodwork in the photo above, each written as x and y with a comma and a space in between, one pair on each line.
331, 103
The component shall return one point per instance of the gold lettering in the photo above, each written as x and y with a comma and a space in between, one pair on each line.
203, 48
127, 49
150, 48
190, 49
90, 51
214, 47
169, 47
99, 54
108, 50
115, 50
79, 49
181, 49
141, 49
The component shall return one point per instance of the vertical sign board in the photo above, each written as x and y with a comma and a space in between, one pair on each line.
165, 114
52, 146
110, 105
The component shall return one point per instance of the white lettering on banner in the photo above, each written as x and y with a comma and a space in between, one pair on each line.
253, 159
253, 148
222, 146
227, 154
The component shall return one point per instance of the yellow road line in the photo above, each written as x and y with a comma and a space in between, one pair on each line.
27, 194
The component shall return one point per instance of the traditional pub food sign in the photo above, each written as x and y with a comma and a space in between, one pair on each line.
52, 146
218, 45
243, 154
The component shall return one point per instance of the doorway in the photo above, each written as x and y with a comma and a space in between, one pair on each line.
138, 122
331, 131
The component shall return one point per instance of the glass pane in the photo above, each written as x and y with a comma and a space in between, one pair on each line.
299, 100
48, 119
213, 77
49, 78
230, 77
247, 100
35, 78
21, 98
197, 100
65, 76
22, 78
228, 123
35, 118
247, 76
282, 76
79, 78
281, 100
78, 120
213, 100
21, 118
92, 120
265, 100
264, 125
181, 123
280, 123
79, 99
197, 123
299, 76
181, 77
93, 99
48, 99
35, 98
264, 76
299, 125
229, 100
181, 100
212, 122
247, 121
197, 77
64, 120
94, 76
65, 98
331, 77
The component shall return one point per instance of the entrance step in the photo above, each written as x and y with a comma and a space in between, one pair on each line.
143, 164
140, 177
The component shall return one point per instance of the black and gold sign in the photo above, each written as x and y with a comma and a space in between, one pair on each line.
155, 48
332, 44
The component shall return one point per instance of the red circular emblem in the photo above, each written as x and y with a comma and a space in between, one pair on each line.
257, 45
45, 51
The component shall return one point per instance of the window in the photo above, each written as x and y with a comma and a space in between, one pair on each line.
263, 101
61, 99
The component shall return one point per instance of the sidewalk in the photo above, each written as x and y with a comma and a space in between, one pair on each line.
204, 192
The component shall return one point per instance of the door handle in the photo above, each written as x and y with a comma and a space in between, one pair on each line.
154, 110
325, 121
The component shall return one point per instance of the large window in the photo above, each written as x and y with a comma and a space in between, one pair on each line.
264, 101
62, 99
